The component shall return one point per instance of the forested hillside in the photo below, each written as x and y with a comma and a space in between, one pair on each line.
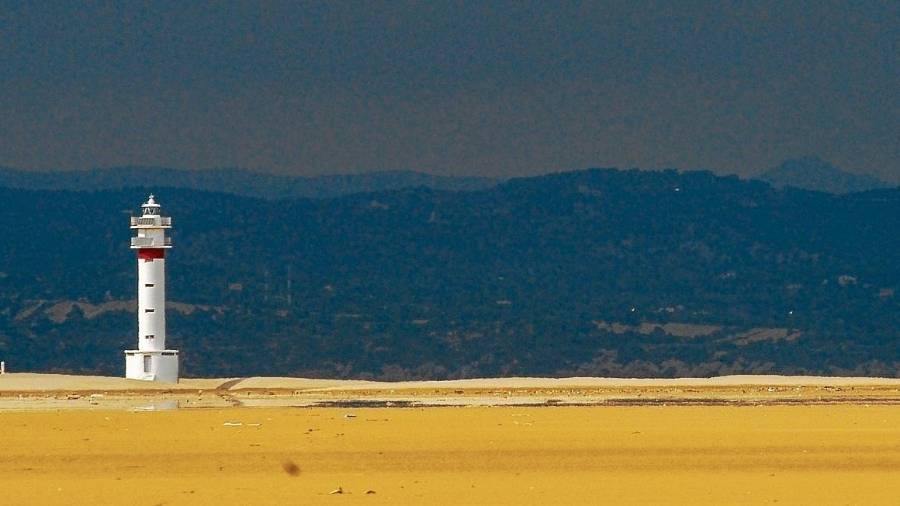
599, 272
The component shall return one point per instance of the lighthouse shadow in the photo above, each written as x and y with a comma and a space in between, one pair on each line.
228, 385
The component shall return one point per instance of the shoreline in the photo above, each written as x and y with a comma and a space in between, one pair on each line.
71, 382
30, 391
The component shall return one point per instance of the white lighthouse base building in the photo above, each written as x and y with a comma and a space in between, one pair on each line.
161, 366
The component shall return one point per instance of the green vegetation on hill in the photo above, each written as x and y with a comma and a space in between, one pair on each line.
599, 272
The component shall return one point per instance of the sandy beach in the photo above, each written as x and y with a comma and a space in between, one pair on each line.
846, 454
732, 440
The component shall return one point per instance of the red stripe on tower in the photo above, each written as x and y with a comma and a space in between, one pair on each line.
151, 253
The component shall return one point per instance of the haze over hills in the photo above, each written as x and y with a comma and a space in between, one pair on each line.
813, 173
598, 272
236, 181
809, 173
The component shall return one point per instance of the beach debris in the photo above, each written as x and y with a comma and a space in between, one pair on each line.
290, 467
336, 491
233, 424
370, 492
349, 415
254, 425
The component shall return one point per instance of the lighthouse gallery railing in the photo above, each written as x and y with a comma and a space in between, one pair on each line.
164, 221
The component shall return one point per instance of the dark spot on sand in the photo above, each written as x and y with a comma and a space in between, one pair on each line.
290, 467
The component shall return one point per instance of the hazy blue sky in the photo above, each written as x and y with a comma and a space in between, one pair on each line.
496, 88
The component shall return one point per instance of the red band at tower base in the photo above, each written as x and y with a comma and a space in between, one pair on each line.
151, 253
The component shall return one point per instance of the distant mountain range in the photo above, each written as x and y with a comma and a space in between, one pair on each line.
597, 272
813, 173
235, 181
810, 173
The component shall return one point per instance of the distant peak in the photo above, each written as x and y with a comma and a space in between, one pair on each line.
809, 162
813, 173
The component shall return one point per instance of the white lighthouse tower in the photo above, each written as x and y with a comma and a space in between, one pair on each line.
151, 361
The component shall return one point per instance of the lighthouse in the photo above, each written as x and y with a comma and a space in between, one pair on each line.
151, 361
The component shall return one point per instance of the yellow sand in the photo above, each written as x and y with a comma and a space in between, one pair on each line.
839, 454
